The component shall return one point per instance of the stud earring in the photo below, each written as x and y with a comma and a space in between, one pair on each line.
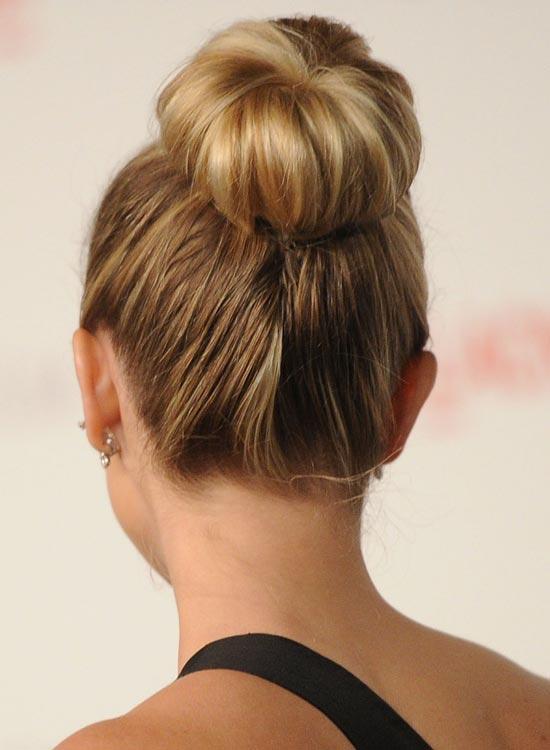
82, 424
112, 448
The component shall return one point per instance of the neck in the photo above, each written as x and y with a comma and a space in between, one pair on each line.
241, 563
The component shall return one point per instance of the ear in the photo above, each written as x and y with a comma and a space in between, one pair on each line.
417, 380
99, 396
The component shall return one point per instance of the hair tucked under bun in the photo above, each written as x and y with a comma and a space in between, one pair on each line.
292, 122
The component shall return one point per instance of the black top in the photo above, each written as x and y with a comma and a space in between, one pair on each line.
363, 716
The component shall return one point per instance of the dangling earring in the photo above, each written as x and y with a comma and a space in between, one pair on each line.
112, 446
110, 441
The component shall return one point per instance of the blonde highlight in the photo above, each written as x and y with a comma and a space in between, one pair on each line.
273, 369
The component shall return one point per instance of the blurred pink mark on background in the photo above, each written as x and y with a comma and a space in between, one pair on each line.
510, 352
16, 34
507, 352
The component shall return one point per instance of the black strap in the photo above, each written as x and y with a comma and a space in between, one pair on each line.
363, 716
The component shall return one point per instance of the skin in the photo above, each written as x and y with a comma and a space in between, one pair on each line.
232, 560
238, 562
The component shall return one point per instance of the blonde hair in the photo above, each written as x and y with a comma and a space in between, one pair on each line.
248, 357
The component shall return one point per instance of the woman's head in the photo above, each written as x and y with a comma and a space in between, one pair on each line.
244, 357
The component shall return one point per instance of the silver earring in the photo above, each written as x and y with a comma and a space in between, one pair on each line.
82, 424
112, 448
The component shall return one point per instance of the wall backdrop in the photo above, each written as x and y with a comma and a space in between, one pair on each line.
458, 527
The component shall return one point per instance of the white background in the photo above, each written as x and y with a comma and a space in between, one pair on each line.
460, 522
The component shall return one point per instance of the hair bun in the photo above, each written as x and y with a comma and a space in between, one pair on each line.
292, 122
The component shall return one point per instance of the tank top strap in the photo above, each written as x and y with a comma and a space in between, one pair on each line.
361, 714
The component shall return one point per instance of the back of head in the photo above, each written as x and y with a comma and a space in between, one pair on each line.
259, 266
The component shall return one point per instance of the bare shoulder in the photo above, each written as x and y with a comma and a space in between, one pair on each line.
190, 714
218, 710
517, 698
521, 700
108, 734
130, 731
488, 693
